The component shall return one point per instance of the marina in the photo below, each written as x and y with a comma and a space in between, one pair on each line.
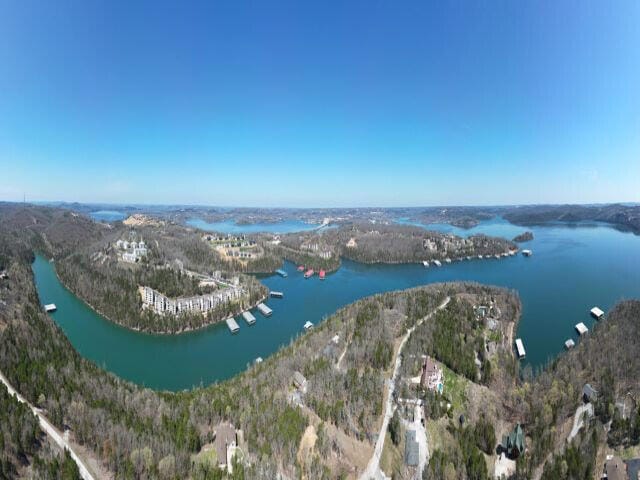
264, 310
582, 328
282, 273
274, 294
233, 325
50, 307
249, 318
520, 348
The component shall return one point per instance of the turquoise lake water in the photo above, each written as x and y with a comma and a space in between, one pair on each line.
571, 270
230, 226
107, 215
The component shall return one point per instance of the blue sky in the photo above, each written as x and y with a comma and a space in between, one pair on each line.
320, 103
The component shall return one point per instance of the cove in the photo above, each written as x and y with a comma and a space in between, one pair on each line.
571, 270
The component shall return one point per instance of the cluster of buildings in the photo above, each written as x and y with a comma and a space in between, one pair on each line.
201, 303
132, 251
321, 251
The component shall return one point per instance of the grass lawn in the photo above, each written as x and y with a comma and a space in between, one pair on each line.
392, 458
207, 457
455, 387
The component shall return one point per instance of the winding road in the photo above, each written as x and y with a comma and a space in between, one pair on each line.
50, 430
373, 467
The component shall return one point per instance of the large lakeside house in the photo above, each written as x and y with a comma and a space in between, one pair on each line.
201, 303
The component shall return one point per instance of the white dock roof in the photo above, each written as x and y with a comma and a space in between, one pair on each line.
596, 312
520, 348
581, 328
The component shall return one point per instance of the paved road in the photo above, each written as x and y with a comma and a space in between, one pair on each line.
51, 431
373, 467
578, 419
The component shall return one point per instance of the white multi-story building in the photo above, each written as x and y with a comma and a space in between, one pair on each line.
202, 303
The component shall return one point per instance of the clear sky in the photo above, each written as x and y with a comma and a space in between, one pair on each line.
265, 103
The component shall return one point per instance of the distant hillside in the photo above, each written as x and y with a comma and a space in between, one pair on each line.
624, 216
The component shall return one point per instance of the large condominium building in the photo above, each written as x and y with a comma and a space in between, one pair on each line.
201, 303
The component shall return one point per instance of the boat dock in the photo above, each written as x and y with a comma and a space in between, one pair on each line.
569, 344
282, 273
233, 325
50, 307
274, 294
597, 313
308, 325
520, 348
264, 310
248, 317
581, 328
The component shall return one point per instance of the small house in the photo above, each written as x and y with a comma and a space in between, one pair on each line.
615, 469
225, 443
513, 443
411, 449
589, 394
431, 378
300, 382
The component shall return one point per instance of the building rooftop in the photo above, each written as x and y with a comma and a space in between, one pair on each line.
225, 436
615, 469
411, 449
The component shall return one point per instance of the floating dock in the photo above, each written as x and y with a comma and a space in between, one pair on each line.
569, 344
581, 328
233, 325
437, 263
50, 307
276, 294
264, 310
308, 325
249, 318
282, 273
520, 348
527, 253
597, 313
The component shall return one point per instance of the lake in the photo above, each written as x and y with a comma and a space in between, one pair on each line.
571, 270
107, 215
230, 226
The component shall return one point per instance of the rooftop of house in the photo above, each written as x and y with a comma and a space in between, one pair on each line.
411, 449
225, 436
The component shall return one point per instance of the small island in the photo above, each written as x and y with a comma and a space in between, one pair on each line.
523, 237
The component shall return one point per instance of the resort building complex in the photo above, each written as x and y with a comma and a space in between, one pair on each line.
202, 303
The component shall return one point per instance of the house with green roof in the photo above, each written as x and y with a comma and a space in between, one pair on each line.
513, 443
